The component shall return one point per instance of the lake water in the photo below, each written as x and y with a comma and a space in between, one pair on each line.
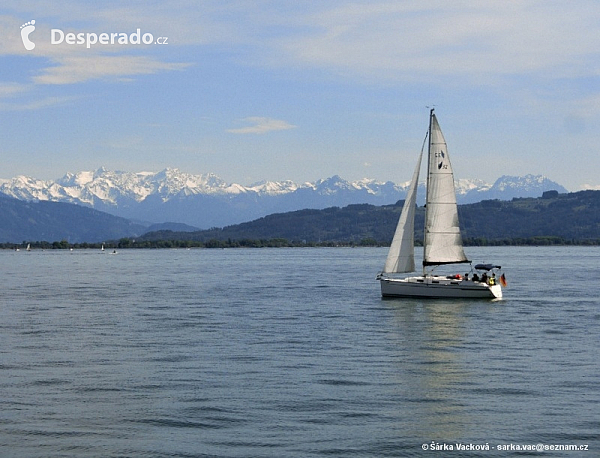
292, 353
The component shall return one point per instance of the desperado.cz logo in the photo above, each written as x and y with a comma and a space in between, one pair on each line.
58, 36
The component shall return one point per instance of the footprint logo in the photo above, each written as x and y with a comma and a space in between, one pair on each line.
26, 29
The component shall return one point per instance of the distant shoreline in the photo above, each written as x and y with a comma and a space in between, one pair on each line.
280, 243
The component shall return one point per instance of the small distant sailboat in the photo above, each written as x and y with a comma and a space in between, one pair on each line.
442, 240
28, 247
102, 249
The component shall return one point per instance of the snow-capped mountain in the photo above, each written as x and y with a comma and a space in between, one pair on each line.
112, 187
507, 188
208, 201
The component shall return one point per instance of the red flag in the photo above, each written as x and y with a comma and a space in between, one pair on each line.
503, 280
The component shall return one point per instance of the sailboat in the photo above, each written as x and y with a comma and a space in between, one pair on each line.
442, 243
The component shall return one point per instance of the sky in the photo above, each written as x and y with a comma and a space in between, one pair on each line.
300, 90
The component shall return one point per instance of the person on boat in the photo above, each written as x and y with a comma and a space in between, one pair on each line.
484, 278
475, 277
466, 277
492, 280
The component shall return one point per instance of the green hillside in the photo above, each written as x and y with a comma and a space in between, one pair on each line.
54, 221
554, 218
573, 217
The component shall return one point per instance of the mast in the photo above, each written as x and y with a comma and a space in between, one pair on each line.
427, 188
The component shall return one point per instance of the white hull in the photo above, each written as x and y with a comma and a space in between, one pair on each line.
433, 286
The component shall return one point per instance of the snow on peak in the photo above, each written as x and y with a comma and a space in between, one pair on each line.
465, 185
113, 187
527, 182
116, 188
274, 187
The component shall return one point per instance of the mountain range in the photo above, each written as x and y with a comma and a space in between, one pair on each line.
206, 201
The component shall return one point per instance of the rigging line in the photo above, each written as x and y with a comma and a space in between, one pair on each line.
424, 140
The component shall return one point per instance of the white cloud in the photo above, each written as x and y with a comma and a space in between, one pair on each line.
412, 40
262, 126
12, 89
425, 40
76, 69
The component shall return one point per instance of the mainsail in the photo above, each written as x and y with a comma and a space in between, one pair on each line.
401, 257
443, 243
